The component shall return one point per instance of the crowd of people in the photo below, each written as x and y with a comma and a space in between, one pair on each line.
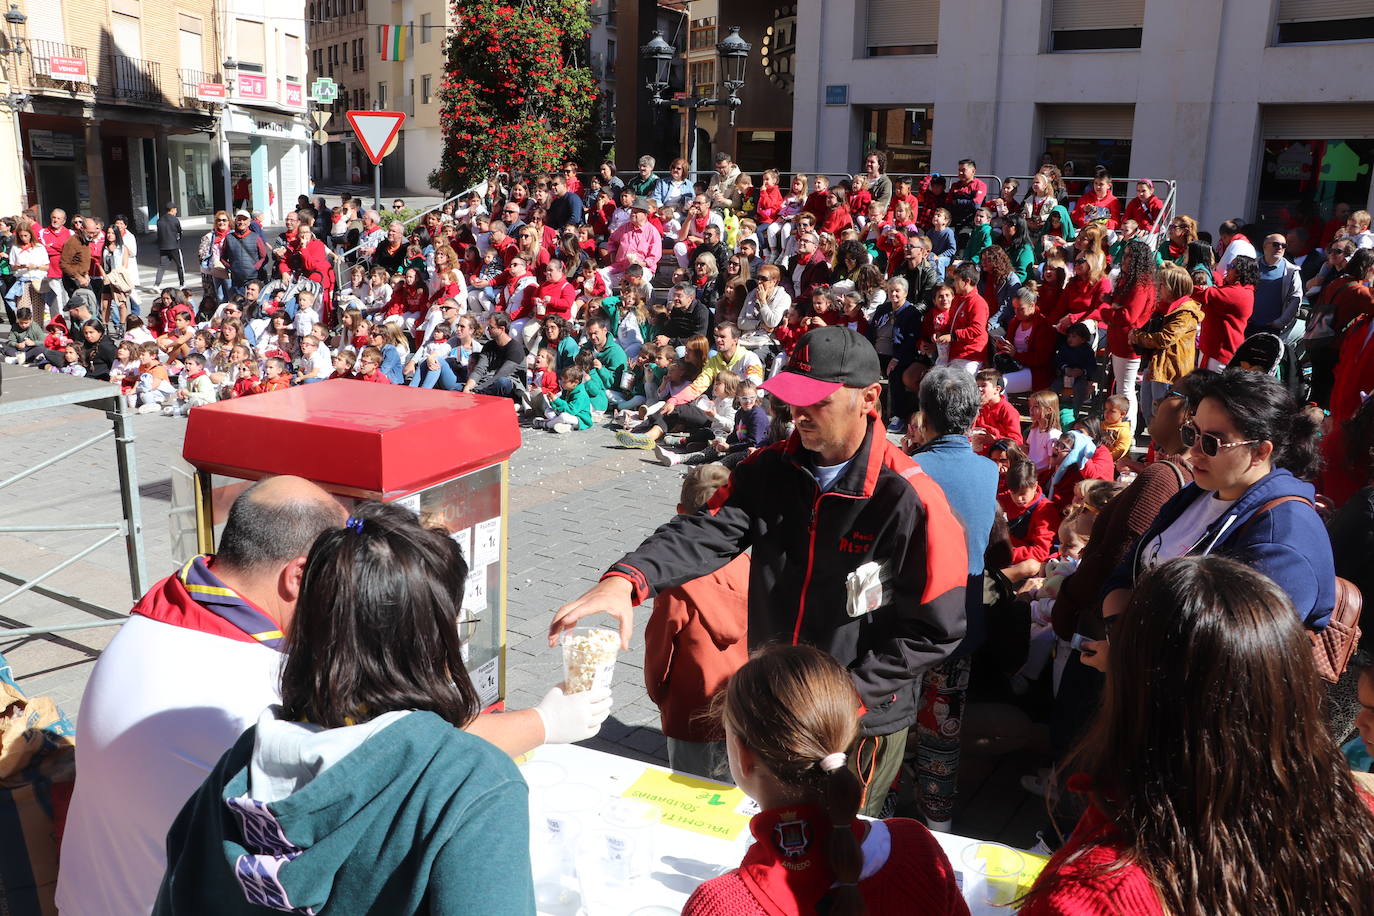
946, 442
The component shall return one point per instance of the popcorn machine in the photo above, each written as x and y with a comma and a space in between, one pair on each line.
441, 454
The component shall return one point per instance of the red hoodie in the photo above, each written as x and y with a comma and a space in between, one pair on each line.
969, 327
1080, 301
1033, 529
1144, 214
1000, 421
1103, 211
768, 205
1132, 310
694, 640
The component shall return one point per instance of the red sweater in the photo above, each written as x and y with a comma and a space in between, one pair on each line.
815, 205
693, 642
1354, 369
1080, 301
969, 327
1131, 311
769, 203
916, 878
836, 221
1225, 311
561, 296
1000, 420
376, 377
1033, 531
407, 299
1038, 355
1144, 214
1094, 209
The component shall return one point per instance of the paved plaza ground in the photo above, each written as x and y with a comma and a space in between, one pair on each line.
577, 503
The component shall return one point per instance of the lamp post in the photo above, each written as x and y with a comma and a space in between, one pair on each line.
15, 101
230, 67
732, 52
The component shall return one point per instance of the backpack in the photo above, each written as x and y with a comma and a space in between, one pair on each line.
1333, 646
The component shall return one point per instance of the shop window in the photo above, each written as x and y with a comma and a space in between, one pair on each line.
903, 133
1309, 182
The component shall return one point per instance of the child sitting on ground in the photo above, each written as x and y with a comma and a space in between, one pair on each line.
423, 367
543, 385
343, 363
591, 381
275, 376
196, 388
750, 433
26, 341
693, 641
126, 368
369, 366
1117, 433
573, 409
244, 376
1032, 520
996, 419
1044, 431
791, 717
154, 389
73, 361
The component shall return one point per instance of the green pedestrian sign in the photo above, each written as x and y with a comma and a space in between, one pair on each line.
324, 90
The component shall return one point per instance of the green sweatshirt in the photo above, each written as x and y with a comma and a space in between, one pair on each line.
979, 238
577, 403
403, 814
613, 362
596, 391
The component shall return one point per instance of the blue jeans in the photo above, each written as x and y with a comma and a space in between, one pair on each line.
499, 387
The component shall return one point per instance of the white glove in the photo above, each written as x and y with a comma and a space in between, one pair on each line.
570, 717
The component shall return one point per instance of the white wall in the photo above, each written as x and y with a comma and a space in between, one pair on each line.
1197, 82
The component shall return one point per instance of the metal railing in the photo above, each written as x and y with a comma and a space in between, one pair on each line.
135, 79
190, 84
42, 52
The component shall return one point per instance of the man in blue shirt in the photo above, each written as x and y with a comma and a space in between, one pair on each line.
949, 404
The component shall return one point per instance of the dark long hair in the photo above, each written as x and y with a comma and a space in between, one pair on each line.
1211, 757
793, 706
1263, 410
1137, 266
375, 627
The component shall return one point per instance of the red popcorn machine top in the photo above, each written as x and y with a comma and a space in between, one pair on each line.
439, 453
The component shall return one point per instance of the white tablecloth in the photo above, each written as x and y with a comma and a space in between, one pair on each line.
682, 858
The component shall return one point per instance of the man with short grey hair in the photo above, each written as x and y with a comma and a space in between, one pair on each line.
194, 666
1278, 292
644, 183
949, 405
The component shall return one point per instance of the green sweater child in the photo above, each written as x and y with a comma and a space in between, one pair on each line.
575, 402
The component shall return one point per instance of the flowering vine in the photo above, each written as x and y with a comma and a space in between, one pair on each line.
511, 100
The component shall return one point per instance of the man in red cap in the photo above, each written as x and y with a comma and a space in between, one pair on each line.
855, 549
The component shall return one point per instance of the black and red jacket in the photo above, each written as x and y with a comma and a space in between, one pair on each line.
882, 508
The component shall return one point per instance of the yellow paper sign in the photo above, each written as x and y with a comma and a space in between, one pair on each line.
693, 804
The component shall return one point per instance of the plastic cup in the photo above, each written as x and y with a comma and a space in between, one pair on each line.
627, 828
589, 655
998, 868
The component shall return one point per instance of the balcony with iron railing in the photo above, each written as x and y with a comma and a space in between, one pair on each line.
190, 82
40, 59
132, 79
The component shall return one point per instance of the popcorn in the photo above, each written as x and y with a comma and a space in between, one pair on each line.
589, 658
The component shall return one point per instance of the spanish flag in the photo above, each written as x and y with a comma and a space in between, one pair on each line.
393, 39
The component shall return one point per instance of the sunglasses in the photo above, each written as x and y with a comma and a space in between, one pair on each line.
1207, 443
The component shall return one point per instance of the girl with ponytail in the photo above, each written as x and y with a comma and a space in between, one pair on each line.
790, 715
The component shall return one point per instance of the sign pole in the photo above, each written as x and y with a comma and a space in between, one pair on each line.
377, 187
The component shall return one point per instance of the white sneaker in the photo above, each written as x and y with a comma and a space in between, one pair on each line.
11, 360
561, 427
149, 408
169, 411
665, 457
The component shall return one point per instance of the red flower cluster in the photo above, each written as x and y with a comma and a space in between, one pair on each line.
509, 100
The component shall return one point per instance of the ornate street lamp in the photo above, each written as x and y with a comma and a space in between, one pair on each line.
733, 53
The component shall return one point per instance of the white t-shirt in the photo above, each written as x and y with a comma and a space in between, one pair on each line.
162, 706
1039, 444
1176, 540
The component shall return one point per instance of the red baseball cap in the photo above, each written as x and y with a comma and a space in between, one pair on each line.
824, 361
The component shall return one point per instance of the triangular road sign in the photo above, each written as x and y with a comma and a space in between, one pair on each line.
375, 131
320, 116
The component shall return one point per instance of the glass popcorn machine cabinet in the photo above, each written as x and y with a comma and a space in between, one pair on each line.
440, 454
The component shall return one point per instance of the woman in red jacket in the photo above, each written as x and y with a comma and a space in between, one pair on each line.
1133, 300
1225, 311
1206, 796
790, 717
1030, 341
1145, 206
1084, 295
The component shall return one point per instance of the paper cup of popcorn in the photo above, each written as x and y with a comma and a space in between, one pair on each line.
589, 658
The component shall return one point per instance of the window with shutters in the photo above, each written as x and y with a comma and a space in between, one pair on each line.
251, 38
1079, 138
292, 59
425, 25
895, 27
1303, 21
1091, 25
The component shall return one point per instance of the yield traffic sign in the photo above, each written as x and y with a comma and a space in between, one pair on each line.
320, 116
375, 131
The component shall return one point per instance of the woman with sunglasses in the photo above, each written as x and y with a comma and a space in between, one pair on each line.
1252, 450
1211, 785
